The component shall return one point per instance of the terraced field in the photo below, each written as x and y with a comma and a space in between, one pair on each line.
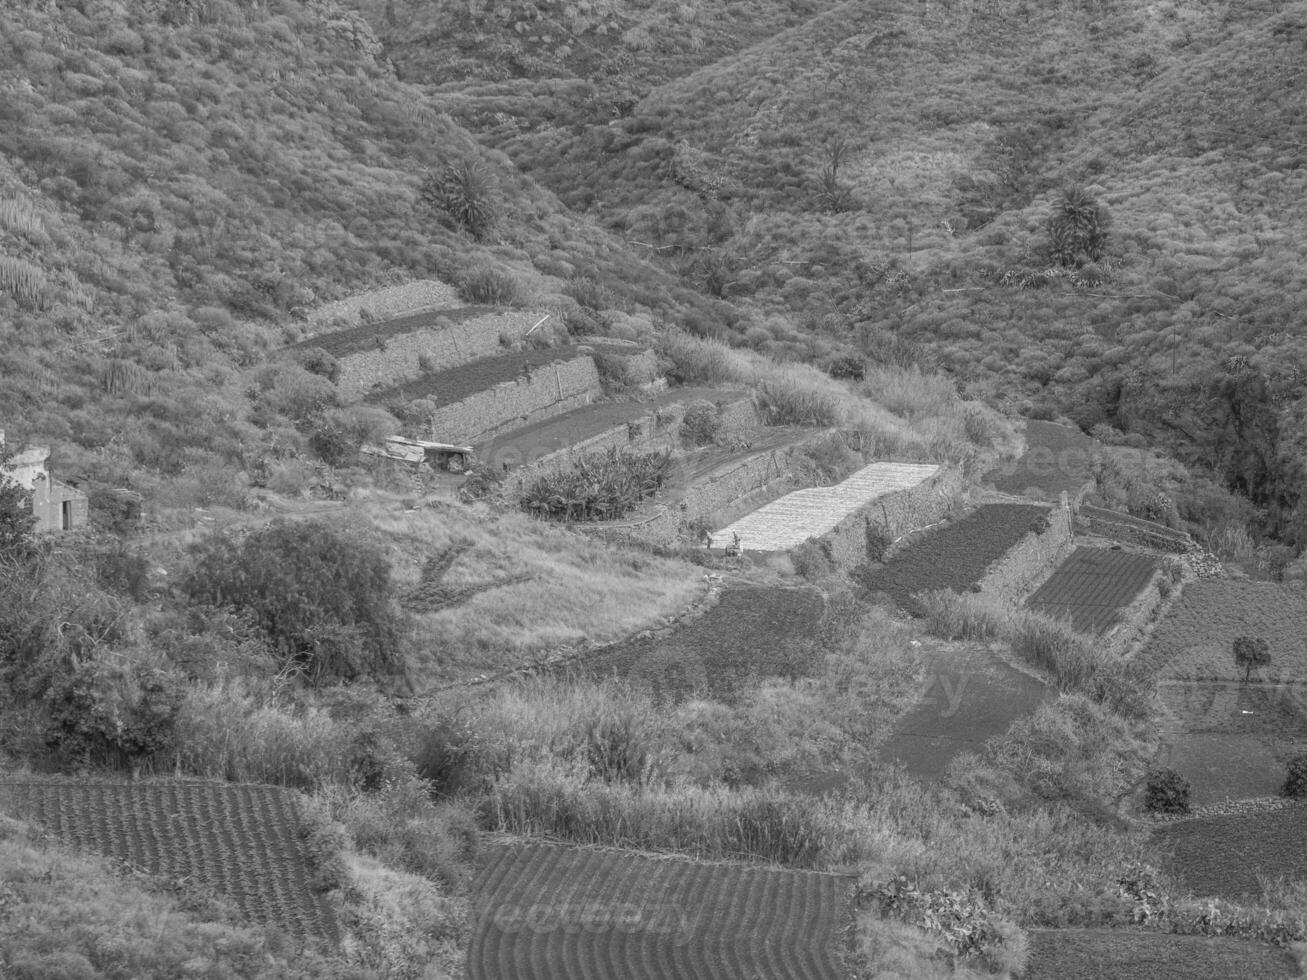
549, 912
753, 631
1057, 458
955, 556
447, 387
1092, 586
241, 840
1223, 856
1124, 954
533, 441
1195, 640
370, 335
797, 517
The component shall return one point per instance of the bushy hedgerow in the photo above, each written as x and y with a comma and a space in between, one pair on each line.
1166, 791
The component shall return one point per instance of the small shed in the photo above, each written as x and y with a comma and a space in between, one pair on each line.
438, 455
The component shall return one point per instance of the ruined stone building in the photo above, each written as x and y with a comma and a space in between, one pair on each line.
57, 506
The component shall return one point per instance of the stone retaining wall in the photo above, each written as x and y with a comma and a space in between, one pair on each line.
892, 516
653, 432
418, 296
551, 390
1132, 530
403, 357
1031, 560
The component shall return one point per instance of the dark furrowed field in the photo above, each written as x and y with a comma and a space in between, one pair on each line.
1222, 856
239, 839
953, 557
1122, 954
548, 912
1092, 586
753, 632
1057, 458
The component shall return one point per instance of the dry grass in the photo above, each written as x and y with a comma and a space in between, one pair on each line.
561, 588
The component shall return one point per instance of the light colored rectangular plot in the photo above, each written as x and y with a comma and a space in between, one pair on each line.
795, 518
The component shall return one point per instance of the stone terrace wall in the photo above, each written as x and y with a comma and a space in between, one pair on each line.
892, 515
1031, 560
1132, 530
550, 391
656, 431
399, 358
388, 301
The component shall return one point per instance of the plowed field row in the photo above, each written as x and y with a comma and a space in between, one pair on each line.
1092, 586
238, 839
956, 556
548, 912
447, 387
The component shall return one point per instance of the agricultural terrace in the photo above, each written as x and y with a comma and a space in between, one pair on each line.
548, 912
1196, 639
1228, 855
550, 435
241, 840
752, 632
805, 514
955, 556
453, 385
1057, 458
369, 336
1092, 586
1126, 954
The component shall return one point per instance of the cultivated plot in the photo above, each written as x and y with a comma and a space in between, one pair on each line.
797, 517
1092, 586
239, 839
1125, 954
549, 912
1196, 639
1226, 856
751, 633
453, 385
955, 556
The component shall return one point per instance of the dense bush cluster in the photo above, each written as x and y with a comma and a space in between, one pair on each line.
598, 487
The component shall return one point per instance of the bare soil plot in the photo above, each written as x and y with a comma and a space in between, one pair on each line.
533, 441
1126, 954
369, 336
447, 387
809, 513
1222, 856
752, 632
239, 839
550, 912
1092, 586
968, 696
1057, 458
955, 556
1195, 640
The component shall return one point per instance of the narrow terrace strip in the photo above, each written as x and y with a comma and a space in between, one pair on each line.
805, 514
1092, 587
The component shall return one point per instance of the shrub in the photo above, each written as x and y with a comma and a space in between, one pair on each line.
333, 443
1166, 791
317, 361
599, 487
17, 521
123, 571
323, 600
1077, 228
113, 714
878, 542
491, 287
617, 750
464, 194
1251, 653
812, 560
701, 424
1295, 780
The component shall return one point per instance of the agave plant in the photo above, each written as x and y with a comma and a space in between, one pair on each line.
1077, 228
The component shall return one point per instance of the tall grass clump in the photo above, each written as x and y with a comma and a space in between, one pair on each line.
1053, 646
951, 616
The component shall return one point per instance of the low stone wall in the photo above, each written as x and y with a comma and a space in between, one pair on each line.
1135, 618
891, 516
1031, 560
550, 391
1132, 530
406, 356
